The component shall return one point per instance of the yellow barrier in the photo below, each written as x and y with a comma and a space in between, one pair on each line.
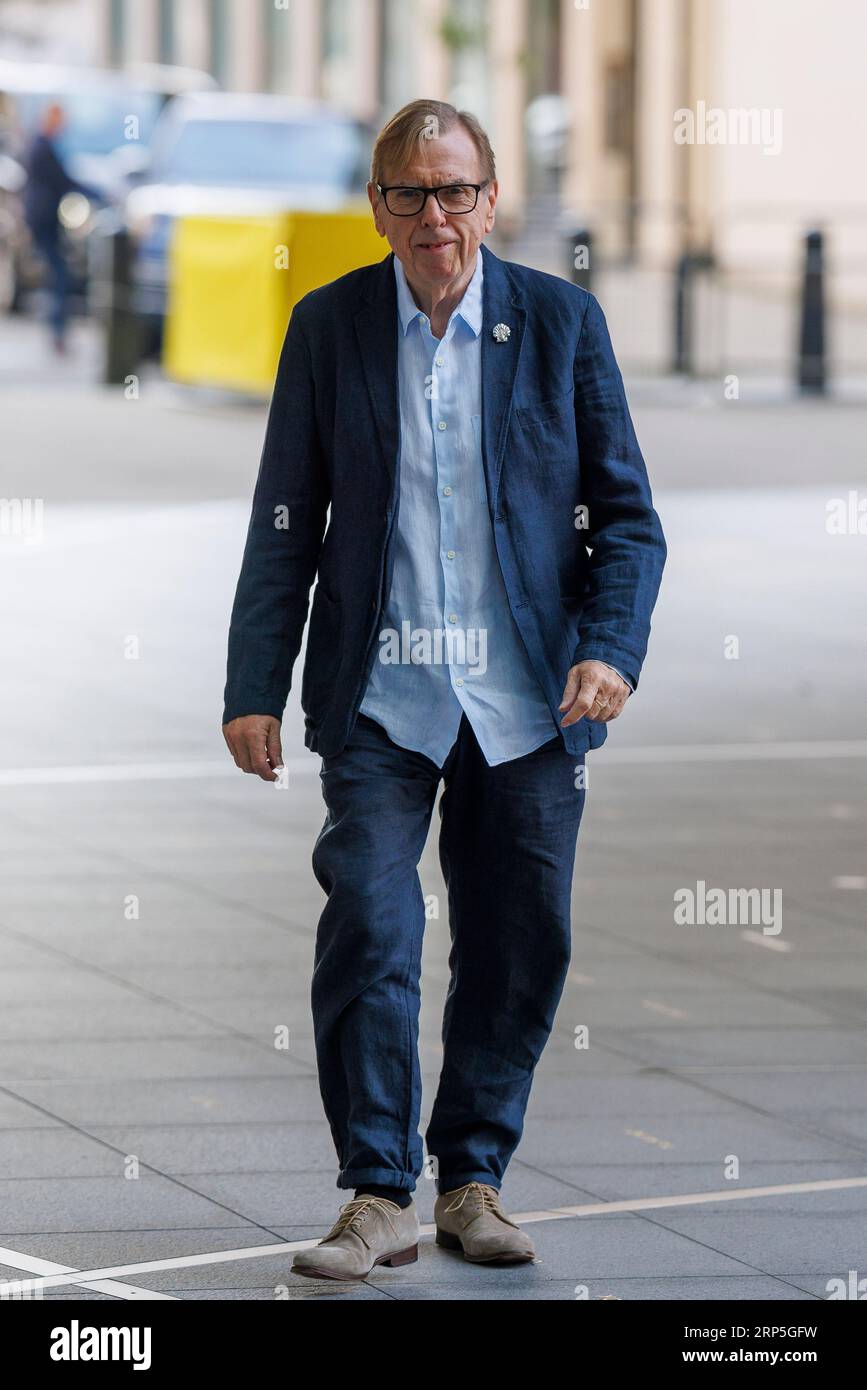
233, 282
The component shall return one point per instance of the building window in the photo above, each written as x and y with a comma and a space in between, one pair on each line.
618, 107
336, 51
278, 19
166, 40
116, 32
464, 33
400, 31
218, 53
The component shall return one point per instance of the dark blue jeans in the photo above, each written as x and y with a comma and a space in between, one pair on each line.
507, 851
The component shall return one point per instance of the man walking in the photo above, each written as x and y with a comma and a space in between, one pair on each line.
482, 610
47, 183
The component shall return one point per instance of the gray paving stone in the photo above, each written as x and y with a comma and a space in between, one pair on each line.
132, 1018
56, 1152
16, 1114
725, 1006
665, 1046
56, 982
785, 1086
229, 1148
705, 1138
666, 1177
731, 1288
220, 983
184, 1100
106, 1249
153, 1058
825, 1231
44, 1205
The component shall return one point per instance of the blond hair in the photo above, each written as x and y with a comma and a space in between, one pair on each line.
426, 120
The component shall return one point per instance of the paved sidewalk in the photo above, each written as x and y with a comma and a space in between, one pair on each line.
159, 909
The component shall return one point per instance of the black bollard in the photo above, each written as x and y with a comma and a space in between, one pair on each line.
682, 316
684, 283
123, 345
812, 376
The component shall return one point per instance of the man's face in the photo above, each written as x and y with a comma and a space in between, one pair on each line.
434, 247
53, 120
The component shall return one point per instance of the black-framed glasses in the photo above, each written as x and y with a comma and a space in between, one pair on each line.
407, 200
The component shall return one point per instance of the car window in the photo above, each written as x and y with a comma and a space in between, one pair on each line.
96, 122
251, 153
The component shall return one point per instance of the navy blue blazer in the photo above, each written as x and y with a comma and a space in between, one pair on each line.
556, 436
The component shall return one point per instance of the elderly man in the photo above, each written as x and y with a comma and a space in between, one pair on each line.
482, 610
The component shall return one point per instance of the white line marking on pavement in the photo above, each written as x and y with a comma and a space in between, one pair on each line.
554, 1214
31, 1264
673, 753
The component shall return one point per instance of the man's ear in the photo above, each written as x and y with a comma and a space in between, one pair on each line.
490, 213
376, 204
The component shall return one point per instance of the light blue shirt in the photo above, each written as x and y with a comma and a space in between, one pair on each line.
449, 644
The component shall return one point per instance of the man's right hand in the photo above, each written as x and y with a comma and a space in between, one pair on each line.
254, 742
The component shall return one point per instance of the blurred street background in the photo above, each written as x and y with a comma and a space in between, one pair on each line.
158, 908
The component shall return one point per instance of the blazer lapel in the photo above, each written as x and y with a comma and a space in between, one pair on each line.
502, 304
376, 329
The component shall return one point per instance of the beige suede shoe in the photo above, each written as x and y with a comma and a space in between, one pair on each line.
369, 1231
471, 1219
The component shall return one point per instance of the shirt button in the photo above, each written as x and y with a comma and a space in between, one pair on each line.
447, 492
459, 680
442, 425
450, 554
453, 617
441, 361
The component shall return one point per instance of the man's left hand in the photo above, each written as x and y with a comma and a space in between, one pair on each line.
594, 689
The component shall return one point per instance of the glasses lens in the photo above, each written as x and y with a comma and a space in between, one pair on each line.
461, 198
406, 202
403, 201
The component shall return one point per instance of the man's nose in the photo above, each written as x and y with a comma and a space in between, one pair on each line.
431, 213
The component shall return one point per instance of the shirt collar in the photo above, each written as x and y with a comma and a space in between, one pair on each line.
469, 308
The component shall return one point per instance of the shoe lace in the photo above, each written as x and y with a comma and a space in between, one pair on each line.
488, 1197
353, 1214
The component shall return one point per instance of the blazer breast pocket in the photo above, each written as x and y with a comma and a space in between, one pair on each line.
560, 407
548, 432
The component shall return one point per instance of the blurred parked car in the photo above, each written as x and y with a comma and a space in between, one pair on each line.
110, 119
238, 154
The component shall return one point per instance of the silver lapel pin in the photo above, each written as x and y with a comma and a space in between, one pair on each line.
502, 332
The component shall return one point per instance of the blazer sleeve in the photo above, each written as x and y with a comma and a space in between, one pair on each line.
284, 540
624, 533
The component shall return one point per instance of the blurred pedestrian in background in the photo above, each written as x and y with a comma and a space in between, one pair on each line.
47, 183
